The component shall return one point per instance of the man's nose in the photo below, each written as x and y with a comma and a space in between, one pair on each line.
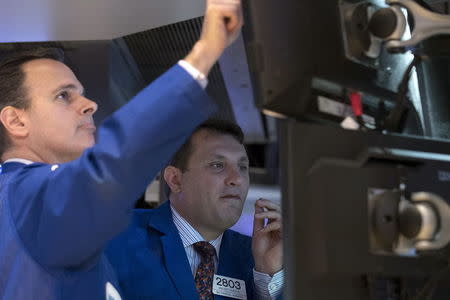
235, 177
88, 106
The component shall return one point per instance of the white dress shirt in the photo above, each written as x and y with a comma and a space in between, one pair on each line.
19, 160
196, 74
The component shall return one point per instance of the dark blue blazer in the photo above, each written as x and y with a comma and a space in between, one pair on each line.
56, 220
151, 263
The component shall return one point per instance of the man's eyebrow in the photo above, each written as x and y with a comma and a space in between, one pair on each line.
214, 156
69, 86
219, 156
244, 159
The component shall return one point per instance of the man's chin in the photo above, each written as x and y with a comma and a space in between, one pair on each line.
88, 143
77, 152
231, 219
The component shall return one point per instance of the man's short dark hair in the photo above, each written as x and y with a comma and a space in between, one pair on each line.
181, 157
12, 78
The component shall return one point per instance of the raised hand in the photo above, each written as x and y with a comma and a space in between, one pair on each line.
267, 240
221, 26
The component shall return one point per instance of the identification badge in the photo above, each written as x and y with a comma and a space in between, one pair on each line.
229, 287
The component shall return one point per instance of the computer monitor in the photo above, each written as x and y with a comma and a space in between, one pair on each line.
330, 176
306, 56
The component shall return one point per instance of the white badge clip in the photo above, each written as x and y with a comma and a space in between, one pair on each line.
229, 287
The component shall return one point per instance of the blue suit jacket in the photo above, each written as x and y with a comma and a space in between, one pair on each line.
56, 220
151, 263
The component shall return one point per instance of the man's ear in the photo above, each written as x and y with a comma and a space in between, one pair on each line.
13, 120
172, 176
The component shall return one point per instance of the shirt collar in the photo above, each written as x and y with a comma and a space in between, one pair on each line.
189, 235
18, 160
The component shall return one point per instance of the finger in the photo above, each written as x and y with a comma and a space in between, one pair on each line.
224, 2
225, 6
271, 215
230, 10
231, 22
232, 19
241, 15
258, 224
268, 204
274, 226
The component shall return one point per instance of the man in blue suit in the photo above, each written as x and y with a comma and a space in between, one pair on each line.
162, 254
62, 197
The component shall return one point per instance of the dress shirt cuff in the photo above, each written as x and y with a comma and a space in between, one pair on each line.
196, 74
268, 287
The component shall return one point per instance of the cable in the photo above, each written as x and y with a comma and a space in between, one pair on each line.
396, 117
380, 115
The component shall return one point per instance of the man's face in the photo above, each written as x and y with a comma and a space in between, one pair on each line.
215, 184
59, 117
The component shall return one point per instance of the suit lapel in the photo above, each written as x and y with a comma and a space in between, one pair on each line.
175, 258
229, 262
235, 263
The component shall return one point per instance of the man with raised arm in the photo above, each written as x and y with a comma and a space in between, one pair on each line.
62, 197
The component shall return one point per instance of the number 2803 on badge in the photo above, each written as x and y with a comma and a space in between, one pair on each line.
229, 287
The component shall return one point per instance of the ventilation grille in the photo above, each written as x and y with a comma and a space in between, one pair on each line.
156, 50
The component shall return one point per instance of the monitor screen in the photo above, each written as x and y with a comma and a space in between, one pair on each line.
306, 58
